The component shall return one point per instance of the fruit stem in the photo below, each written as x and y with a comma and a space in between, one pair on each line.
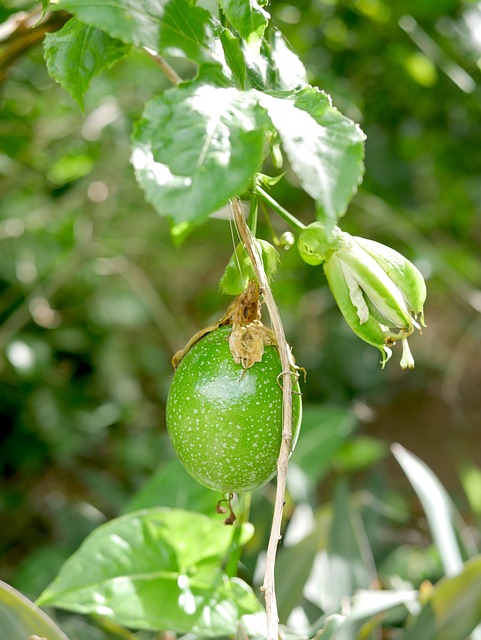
275, 206
234, 555
268, 587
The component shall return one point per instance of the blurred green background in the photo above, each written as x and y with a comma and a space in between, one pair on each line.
95, 297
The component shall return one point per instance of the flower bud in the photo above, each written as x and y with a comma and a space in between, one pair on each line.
315, 243
379, 292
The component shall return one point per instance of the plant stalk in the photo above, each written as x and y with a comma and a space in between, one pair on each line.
171, 74
235, 551
268, 587
283, 213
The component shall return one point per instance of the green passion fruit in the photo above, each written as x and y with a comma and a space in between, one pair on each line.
224, 421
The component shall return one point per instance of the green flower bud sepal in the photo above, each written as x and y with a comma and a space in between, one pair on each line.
380, 293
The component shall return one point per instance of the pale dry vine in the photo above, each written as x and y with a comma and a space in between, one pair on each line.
268, 586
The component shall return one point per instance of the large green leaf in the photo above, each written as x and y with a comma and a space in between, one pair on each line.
248, 17
77, 53
325, 149
197, 146
171, 27
21, 619
156, 569
453, 611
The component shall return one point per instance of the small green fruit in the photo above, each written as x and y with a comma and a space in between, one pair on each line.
224, 421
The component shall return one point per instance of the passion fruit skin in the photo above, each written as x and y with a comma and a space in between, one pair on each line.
224, 421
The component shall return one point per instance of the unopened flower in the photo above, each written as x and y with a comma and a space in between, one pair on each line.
380, 293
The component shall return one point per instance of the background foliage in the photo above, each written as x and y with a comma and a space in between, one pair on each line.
95, 297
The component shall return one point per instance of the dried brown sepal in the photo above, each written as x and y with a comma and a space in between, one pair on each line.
249, 336
231, 518
247, 342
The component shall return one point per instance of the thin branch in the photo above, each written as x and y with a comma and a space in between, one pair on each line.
269, 579
164, 65
24, 30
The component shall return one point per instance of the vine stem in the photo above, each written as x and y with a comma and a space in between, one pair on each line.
268, 587
171, 73
279, 209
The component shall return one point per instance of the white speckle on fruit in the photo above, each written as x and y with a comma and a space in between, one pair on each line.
225, 422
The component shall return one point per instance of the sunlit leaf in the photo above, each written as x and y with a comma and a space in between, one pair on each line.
248, 17
325, 149
285, 69
235, 60
368, 606
77, 53
197, 146
21, 619
275, 66
126, 567
172, 27
441, 513
453, 610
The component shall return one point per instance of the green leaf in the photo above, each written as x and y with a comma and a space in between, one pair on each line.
294, 566
471, 481
234, 58
347, 563
331, 627
77, 53
172, 27
171, 486
361, 453
285, 69
325, 149
367, 606
239, 269
197, 146
453, 611
156, 569
21, 619
248, 17
443, 518
276, 66
324, 430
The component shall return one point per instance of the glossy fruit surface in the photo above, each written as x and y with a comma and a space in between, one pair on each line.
224, 421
